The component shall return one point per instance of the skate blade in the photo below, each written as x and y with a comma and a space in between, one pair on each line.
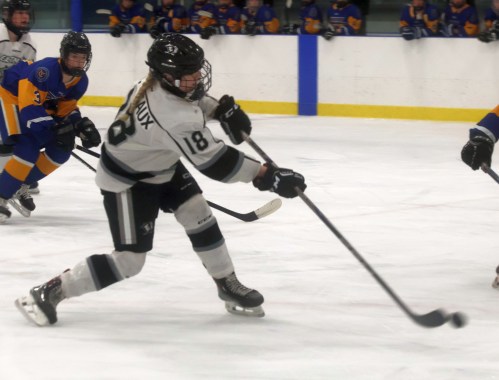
245, 311
495, 284
3, 218
30, 311
19, 208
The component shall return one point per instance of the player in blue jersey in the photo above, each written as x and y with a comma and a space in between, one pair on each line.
40, 117
127, 17
477, 152
344, 19
491, 23
419, 19
310, 20
202, 17
459, 19
168, 17
229, 17
259, 18
310, 17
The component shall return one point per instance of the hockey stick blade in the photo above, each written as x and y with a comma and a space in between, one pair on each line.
266, 209
434, 318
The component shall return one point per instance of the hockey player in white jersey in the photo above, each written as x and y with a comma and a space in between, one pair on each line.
16, 45
140, 174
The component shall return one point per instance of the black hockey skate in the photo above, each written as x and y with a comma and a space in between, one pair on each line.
495, 283
4, 210
34, 188
238, 298
40, 305
22, 201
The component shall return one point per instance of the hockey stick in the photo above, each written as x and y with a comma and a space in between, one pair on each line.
434, 318
267, 209
490, 172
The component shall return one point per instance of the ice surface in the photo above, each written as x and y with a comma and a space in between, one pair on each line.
397, 190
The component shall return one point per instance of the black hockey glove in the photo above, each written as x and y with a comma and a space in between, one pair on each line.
117, 30
88, 133
478, 151
207, 32
290, 29
410, 33
158, 28
250, 27
280, 181
65, 135
489, 36
328, 33
233, 119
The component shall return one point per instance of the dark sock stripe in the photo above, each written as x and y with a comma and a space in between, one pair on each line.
207, 237
102, 271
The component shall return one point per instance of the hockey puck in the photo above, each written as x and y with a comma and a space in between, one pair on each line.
458, 320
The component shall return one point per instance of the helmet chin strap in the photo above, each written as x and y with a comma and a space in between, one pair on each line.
14, 29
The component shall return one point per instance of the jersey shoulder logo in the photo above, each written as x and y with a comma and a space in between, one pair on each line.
42, 74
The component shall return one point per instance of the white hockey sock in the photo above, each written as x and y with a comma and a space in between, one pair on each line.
196, 218
77, 281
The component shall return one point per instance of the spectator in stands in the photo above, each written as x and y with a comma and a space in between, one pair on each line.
203, 18
310, 20
127, 17
491, 22
343, 19
419, 19
168, 17
459, 19
259, 18
229, 17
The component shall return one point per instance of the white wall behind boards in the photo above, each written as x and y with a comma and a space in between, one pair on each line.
432, 72
388, 71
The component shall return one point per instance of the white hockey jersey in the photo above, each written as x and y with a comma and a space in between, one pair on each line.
163, 128
13, 52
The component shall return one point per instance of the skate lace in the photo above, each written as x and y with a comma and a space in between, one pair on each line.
3, 203
23, 193
235, 286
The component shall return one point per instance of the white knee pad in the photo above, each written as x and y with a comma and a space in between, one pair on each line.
128, 263
194, 213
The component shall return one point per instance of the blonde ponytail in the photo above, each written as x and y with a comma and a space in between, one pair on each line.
148, 83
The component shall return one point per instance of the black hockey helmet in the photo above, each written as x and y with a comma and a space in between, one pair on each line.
172, 56
75, 42
8, 9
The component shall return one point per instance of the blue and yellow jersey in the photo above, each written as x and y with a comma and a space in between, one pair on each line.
173, 19
346, 21
265, 19
229, 19
311, 19
40, 95
427, 19
465, 19
489, 18
134, 17
489, 125
202, 15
